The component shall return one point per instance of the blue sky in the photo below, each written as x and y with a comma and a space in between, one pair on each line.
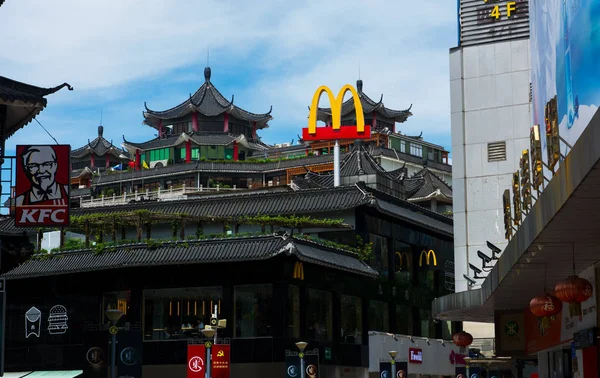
119, 53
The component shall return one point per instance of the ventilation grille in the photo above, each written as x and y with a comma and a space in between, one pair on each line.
496, 151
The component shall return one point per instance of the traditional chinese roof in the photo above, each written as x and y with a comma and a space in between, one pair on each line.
197, 138
426, 185
207, 101
230, 250
24, 102
98, 146
369, 106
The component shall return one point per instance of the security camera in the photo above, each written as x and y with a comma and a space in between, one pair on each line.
470, 281
486, 259
495, 250
476, 270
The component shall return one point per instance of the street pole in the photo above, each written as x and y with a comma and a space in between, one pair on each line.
209, 362
393, 362
302, 368
336, 164
113, 356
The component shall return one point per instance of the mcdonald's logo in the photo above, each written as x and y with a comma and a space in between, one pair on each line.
337, 131
401, 261
298, 271
428, 255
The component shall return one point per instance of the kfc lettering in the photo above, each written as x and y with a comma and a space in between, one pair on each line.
415, 356
41, 216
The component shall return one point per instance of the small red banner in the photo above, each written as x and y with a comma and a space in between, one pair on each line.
344, 132
42, 185
196, 361
221, 355
415, 355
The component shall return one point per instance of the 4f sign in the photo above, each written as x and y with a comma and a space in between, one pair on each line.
336, 131
511, 9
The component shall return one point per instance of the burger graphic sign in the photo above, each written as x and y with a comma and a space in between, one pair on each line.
57, 320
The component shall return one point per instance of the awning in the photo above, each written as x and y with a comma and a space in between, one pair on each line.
20, 373
55, 374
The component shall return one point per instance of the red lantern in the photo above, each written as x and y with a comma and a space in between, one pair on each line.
573, 291
462, 339
545, 307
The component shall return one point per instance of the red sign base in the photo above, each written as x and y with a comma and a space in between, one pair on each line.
344, 132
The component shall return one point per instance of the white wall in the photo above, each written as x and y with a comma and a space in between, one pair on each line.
489, 96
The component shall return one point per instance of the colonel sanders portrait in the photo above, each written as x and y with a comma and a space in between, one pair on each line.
40, 165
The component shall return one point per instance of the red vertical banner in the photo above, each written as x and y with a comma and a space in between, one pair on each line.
196, 361
221, 355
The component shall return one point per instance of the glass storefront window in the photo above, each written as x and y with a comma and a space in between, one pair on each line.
427, 327
116, 300
379, 316
319, 312
380, 253
403, 262
447, 330
179, 313
253, 310
351, 319
404, 320
294, 312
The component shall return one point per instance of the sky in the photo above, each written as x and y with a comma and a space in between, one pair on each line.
118, 54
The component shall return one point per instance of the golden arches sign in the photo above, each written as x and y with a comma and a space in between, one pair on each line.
360, 131
298, 271
402, 256
428, 255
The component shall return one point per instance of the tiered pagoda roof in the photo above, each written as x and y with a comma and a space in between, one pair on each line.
426, 185
199, 138
98, 146
24, 102
207, 101
369, 106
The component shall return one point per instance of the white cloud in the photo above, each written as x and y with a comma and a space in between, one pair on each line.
98, 47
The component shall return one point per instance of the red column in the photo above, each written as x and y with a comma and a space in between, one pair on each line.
374, 125
160, 129
138, 163
195, 121
254, 130
92, 160
226, 123
306, 152
235, 150
107, 160
188, 151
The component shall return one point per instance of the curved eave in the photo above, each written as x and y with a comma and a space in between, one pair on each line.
324, 114
437, 194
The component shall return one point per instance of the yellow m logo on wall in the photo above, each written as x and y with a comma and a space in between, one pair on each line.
336, 108
429, 257
298, 271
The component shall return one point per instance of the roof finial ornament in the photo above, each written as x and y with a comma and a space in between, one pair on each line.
359, 85
207, 73
207, 68
100, 131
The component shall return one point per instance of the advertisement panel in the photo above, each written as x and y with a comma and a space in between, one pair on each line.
311, 364
221, 357
42, 185
129, 353
510, 333
385, 369
564, 51
196, 358
96, 358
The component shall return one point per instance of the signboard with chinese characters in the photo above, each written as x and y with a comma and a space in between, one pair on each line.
484, 21
42, 185
221, 358
196, 361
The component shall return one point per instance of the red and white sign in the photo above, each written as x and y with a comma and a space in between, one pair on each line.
42, 185
221, 355
196, 355
457, 358
415, 355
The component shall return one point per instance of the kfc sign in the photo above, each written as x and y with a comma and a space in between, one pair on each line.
415, 356
42, 185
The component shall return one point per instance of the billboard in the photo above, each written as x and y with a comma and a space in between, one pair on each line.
42, 185
564, 47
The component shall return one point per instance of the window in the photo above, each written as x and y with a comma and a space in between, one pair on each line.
171, 314
447, 330
403, 262
253, 310
416, 150
380, 252
404, 320
319, 315
351, 319
427, 326
379, 316
195, 153
496, 151
403, 146
117, 300
293, 312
